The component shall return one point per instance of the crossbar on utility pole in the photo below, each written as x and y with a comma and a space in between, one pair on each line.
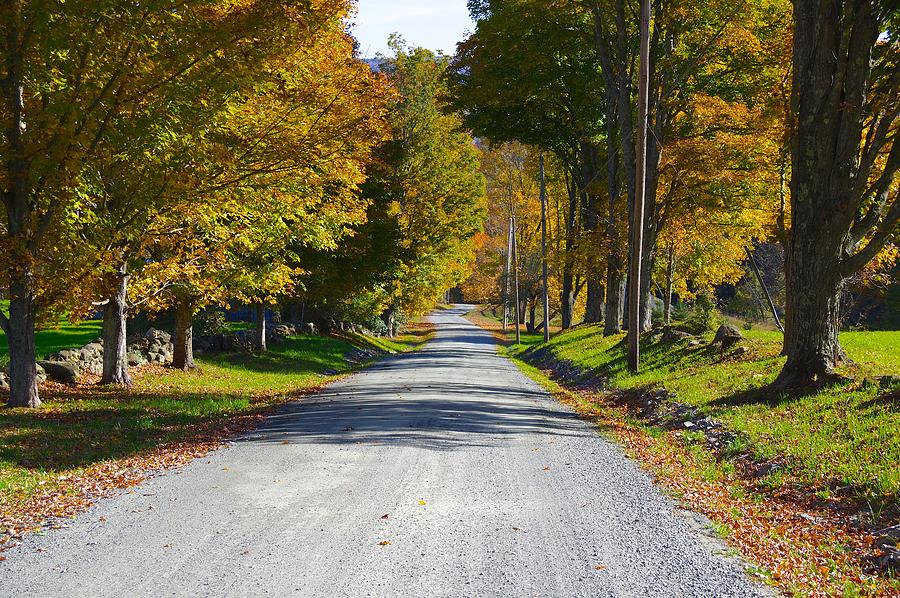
634, 284
546, 289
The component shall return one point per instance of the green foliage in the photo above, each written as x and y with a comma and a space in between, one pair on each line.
703, 316
426, 204
210, 322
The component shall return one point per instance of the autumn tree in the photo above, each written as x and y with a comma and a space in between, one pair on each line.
529, 74
426, 197
73, 73
844, 161
279, 171
511, 171
716, 49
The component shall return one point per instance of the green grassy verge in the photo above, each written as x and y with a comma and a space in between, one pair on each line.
768, 525
62, 336
80, 428
415, 334
845, 437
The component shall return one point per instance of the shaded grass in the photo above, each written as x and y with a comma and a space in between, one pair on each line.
80, 427
845, 437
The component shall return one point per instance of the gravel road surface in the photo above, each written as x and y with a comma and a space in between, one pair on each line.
440, 473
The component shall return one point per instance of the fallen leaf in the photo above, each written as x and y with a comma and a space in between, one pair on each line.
384, 542
546, 469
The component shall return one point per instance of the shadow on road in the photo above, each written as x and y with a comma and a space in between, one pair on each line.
455, 392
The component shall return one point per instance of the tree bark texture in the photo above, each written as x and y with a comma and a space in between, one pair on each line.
115, 360
22, 367
21, 321
389, 318
183, 358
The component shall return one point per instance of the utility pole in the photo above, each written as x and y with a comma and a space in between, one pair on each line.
637, 238
506, 277
546, 289
516, 274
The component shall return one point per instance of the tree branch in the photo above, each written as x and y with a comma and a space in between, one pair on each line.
854, 263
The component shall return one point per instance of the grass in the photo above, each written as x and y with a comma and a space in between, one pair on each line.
64, 335
80, 428
491, 317
414, 334
765, 519
845, 436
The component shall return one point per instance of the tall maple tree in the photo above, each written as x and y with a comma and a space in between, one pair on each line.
844, 205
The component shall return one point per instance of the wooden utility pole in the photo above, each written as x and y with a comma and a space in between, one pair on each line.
637, 238
546, 289
516, 274
506, 276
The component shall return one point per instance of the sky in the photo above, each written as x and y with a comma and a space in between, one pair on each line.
433, 24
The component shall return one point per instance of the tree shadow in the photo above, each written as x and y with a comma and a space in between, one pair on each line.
91, 427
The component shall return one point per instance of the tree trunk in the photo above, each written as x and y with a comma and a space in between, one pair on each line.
22, 367
596, 296
183, 358
567, 298
545, 285
615, 295
842, 211
647, 265
389, 318
812, 309
115, 360
259, 340
670, 276
532, 317
20, 325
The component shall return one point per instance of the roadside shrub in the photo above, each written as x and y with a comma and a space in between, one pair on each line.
703, 316
376, 326
210, 322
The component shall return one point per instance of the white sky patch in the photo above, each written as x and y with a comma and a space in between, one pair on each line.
433, 24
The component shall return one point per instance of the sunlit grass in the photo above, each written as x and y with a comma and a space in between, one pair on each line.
64, 335
844, 435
